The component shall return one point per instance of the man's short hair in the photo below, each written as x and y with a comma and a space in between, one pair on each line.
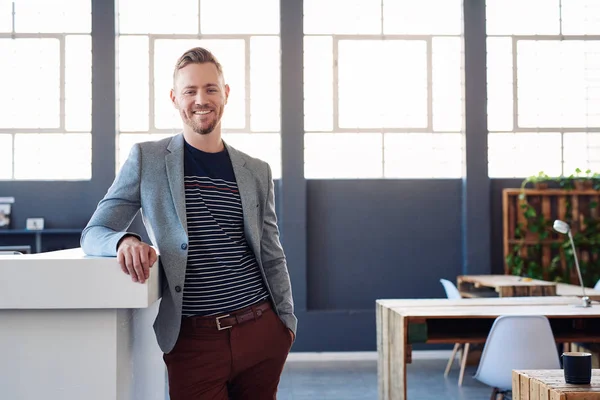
196, 55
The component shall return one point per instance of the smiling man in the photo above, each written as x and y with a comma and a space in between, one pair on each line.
226, 320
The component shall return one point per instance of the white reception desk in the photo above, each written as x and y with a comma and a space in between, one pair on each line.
74, 327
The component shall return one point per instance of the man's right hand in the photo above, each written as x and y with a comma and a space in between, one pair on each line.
136, 258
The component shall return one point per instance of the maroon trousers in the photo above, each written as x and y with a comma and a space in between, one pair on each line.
242, 362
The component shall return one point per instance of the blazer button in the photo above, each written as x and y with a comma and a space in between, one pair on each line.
178, 289
183, 246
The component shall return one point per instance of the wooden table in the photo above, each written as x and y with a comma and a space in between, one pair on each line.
549, 384
511, 286
402, 323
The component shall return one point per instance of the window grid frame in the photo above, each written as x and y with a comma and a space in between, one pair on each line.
428, 39
516, 129
62, 38
62, 129
381, 36
514, 41
152, 38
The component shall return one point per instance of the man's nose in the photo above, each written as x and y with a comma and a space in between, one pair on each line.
200, 98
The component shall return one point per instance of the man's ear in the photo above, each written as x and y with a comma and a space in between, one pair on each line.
174, 99
226, 93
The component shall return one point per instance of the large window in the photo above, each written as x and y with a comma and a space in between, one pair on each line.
383, 88
152, 35
543, 86
45, 76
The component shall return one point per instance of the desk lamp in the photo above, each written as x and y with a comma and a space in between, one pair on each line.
564, 228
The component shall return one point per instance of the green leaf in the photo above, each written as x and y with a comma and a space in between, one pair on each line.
530, 213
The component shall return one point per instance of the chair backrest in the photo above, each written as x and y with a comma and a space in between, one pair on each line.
597, 286
516, 342
451, 289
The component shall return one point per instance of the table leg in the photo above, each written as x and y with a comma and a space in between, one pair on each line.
392, 351
38, 242
382, 352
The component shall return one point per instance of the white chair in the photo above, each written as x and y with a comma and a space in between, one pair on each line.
516, 342
452, 292
597, 286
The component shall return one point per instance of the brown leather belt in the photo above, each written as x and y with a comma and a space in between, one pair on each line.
226, 321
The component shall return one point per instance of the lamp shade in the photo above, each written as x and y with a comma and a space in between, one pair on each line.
561, 226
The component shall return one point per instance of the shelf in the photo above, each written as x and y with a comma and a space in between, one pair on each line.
554, 192
43, 231
533, 241
38, 234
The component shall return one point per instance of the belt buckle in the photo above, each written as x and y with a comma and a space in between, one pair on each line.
218, 319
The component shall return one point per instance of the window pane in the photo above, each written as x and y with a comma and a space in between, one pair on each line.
518, 155
169, 17
78, 83
72, 16
6, 15
558, 83
133, 75
500, 84
342, 16
447, 79
265, 84
581, 150
6, 156
423, 155
318, 83
231, 55
31, 89
335, 155
127, 140
250, 17
42, 156
523, 17
386, 89
417, 18
580, 17
265, 146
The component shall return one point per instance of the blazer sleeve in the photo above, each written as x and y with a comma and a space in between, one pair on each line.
274, 261
116, 211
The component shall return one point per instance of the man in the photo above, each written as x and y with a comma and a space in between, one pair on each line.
226, 320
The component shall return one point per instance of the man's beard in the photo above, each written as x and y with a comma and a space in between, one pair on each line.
203, 129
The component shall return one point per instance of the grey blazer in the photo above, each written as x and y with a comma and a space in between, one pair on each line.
152, 180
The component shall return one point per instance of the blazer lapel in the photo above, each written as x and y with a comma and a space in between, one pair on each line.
175, 174
247, 187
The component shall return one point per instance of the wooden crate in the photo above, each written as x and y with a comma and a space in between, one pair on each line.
550, 385
572, 206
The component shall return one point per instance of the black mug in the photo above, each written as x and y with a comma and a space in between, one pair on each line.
577, 367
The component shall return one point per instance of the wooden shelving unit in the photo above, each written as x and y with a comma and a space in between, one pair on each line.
572, 206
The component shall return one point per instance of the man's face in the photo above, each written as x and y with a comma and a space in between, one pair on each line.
200, 95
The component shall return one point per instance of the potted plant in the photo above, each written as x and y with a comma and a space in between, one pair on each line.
583, 181
539, 181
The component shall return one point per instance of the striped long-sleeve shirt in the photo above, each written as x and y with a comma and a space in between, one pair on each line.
222, 274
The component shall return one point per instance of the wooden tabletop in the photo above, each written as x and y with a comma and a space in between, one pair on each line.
550, 384
503, 280
477, 286
495, 301
469, 320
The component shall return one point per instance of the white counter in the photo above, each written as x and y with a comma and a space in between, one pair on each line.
69, 279
75, 327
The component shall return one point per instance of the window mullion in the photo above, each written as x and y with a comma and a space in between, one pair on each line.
62, 69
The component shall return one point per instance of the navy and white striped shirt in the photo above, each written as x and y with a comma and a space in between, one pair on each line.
222, 274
